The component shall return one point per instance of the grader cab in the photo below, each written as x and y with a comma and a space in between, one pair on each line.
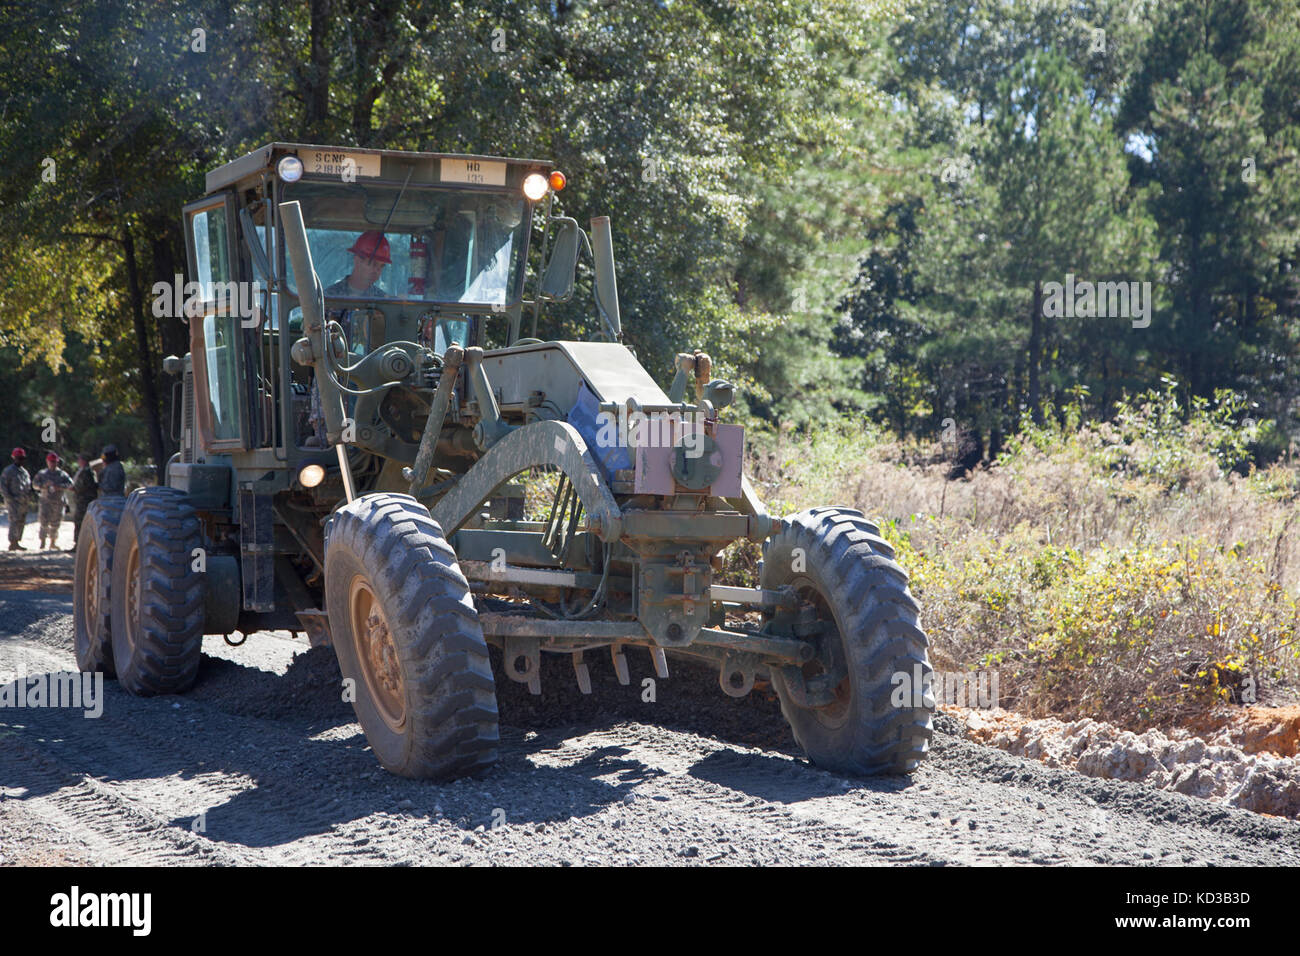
355, 461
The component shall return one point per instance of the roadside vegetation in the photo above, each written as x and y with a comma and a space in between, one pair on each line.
1140, 569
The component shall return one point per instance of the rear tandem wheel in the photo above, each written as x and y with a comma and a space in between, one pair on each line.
157, 595
92, 607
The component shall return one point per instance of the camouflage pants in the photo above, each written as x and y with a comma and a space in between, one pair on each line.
78, 512
17, 518
51, 514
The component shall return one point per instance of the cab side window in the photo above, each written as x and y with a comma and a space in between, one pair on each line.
220, 319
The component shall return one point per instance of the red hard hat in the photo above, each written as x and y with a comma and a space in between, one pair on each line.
51, 457
371, 244
18, 453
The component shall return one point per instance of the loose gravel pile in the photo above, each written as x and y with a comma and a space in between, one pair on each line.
1263, 782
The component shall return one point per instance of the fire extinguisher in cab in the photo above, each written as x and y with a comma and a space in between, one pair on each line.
419, 266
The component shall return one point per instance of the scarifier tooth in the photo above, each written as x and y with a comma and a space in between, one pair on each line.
620, 664
581, 672
661, 662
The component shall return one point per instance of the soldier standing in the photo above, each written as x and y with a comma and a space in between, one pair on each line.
15, 487
51, 482
84, 490
112, 483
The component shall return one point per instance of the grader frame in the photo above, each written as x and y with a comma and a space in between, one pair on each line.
350, 462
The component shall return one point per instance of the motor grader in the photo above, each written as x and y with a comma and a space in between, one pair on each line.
354, 459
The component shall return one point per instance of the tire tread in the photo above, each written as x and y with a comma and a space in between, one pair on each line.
879, 617
451, 694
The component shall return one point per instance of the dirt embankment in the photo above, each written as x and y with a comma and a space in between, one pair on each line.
1245, 758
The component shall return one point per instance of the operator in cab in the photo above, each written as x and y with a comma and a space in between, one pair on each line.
370, 254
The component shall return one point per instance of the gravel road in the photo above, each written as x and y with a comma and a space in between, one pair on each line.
262, 763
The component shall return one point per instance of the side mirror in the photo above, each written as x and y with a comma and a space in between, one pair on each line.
562, 264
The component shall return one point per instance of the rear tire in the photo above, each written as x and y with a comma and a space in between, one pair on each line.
846, 572
92, 607
158, 598
407, 635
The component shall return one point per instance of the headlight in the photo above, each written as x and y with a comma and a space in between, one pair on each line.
535, 186
311, 476
290, 169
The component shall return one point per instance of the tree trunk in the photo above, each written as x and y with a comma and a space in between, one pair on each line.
317, 94
144, 355
372, 39
1018, 390
1036, 353
1105, 383
995, 431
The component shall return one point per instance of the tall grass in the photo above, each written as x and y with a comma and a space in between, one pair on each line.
1140, 569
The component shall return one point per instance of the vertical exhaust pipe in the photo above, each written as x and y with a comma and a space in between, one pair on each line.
602, 251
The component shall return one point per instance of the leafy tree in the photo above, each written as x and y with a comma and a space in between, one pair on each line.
662, 115
1223, 132
1021, 180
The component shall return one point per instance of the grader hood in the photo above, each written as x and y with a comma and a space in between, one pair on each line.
559, 368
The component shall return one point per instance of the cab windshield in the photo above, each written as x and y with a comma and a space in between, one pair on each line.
442, 245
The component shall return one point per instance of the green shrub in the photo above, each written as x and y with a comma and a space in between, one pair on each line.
1148, 636
1151, 437
1117, 570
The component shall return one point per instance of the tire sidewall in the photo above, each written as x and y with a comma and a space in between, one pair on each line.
127, 535
342, 565
813, 728
92, 640
167, 657
448, 693
868, 627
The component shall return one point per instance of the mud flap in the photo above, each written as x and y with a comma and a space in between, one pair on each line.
257, 550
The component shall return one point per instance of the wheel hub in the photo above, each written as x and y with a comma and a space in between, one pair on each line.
822, 685
91, 595
133, 596
377, 654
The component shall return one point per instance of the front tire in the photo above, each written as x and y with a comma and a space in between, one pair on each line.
407, 635
844, 707
157, 596
92, 606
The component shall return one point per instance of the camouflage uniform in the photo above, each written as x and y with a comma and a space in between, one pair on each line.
51, 482
112, 483
84, 490
15, 487
343, 288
